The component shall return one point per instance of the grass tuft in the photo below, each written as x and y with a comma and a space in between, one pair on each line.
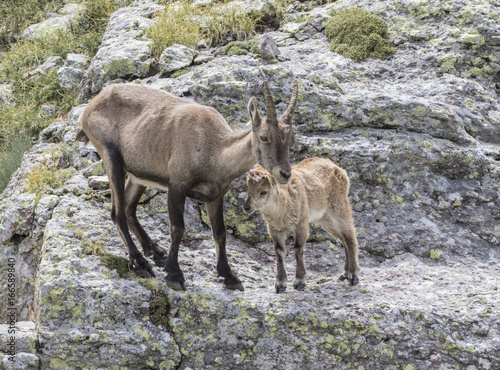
183, 23
12, 154
47, 176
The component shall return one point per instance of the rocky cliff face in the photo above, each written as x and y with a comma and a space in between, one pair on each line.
419, 136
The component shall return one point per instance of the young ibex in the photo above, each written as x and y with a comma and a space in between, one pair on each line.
317, 193
163, 141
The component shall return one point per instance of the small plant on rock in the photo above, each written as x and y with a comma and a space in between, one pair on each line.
46, 175
242, 47
358, 34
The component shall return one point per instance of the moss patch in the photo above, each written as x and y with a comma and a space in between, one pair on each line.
159, 308
242, 47
120, 264
358, 34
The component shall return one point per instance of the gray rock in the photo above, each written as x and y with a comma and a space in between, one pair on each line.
264, 10
21, 361
78, 61
59, 22
5, 93
53, 133
70, 78
48, 110
176, 57
202, 58
268, 48
124, 52
51, 63
99, 182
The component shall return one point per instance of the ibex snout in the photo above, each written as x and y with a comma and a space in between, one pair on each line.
285, 175
282, 174
248, 205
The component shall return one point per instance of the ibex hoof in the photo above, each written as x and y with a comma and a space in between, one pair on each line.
176, 285
235, 286
160, 260
280, 289
233, 283
159, 254
143, 269
351, 278
299, 286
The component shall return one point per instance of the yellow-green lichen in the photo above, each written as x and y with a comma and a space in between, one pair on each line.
434, 254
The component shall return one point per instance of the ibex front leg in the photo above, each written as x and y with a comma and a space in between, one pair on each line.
176, 202
215, 211
279, 238
301, 236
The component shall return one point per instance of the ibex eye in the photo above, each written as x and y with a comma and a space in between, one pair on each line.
263, 138
262, 193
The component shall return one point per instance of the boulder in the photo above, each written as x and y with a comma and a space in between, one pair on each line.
78, 61
70, 78
125, 51
176, 57
58, 22
51, 63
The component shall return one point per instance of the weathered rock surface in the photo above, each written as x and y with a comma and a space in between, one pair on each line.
58, 22
417, 133
176, 57
125, 51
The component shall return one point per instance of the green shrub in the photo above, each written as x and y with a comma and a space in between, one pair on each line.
226, 21
46, 88
358, 34
92, 23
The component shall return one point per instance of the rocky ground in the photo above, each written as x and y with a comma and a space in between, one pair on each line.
418, 134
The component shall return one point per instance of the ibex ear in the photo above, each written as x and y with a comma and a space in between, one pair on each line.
254, 112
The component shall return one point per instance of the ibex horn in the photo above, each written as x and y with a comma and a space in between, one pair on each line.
270, 107
287, 116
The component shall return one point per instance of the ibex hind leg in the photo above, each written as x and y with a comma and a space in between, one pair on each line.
215, 211
133, 193
113, 164
351, 265
350, 244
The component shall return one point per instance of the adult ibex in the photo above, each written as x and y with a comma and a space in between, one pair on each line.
166, 142
318, 192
